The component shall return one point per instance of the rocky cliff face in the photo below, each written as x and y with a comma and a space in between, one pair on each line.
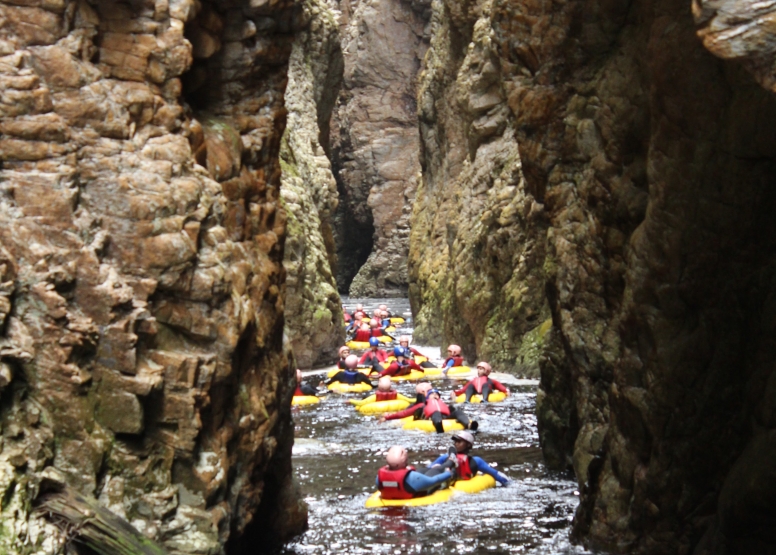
644, 191
314, 322
375, 142
142, 294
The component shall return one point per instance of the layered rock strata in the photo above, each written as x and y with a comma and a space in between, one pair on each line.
142, 286
313, 313
375, 143
648, 167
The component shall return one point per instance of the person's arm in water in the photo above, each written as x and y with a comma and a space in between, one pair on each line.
461, 391
402, 413
499, 386
485, 468
417, 482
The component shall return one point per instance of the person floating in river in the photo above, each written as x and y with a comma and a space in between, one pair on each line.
402, 365
454, 358
302, 388
344, 351
346, 315
434, 409
482, 384
384, 309
350, 375
397, 480
376, 330
363, 333
404, 341
374, 356
467, 465
385, 392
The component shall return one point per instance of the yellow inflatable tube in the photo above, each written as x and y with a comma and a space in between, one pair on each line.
494, 397
380, 407
340, 387
478, 483
357, 345
397, 320
298, 400
454, 372
385, 339
412, 376
448, 424
417, 358
373, 399
390, 329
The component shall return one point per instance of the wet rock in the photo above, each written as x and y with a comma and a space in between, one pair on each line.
642, 189
375, 143
313, 310
141, 279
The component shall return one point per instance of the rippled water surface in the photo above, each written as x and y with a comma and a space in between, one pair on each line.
338, 451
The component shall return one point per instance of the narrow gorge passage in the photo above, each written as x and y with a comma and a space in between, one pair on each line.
337, 453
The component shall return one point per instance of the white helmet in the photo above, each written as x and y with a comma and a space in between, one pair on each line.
466, 436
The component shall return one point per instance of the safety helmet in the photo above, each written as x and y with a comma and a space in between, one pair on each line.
374, 323
485, 366
399, 352
430, 391
422, 388
351, 362
383, 307
396, 457
343, 349
455, 350
374, 342
466, 436
384, 383
404, 338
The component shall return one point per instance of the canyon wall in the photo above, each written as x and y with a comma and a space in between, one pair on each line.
375, 142
142, 287
642, 198
314, 323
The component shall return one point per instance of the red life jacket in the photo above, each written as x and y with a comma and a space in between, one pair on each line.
457, 361
298, 391
464, 468
385, 395
479, 382
376, 332
391, 483
434, 405
362, 335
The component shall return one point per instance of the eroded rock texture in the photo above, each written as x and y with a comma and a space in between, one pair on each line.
477, 244
375, 142
313, 307
141, 292
648, 182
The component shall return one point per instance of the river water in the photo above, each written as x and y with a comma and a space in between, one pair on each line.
337, 454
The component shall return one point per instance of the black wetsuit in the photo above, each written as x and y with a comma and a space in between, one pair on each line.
344, 378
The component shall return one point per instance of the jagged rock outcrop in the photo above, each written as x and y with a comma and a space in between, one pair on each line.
478, 231
649, 165
313, 312
141, 277
375, 142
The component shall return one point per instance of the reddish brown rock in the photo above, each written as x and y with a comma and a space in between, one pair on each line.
141, 279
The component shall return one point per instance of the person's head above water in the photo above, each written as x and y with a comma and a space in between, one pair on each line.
351, 362
374, 323
384, 383
359, 308
431, 392
454, 350
404, 341
463, 441
298, 376
344, 351
483, 368
374, 342
423, 388
396, 457
383, 307
399, 352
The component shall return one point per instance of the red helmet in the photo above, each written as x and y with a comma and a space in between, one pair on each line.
396, 457
455, 350
422, 388
344, 349
351, 362
485, 366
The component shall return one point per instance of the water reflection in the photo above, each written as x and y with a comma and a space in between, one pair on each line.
338, 452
